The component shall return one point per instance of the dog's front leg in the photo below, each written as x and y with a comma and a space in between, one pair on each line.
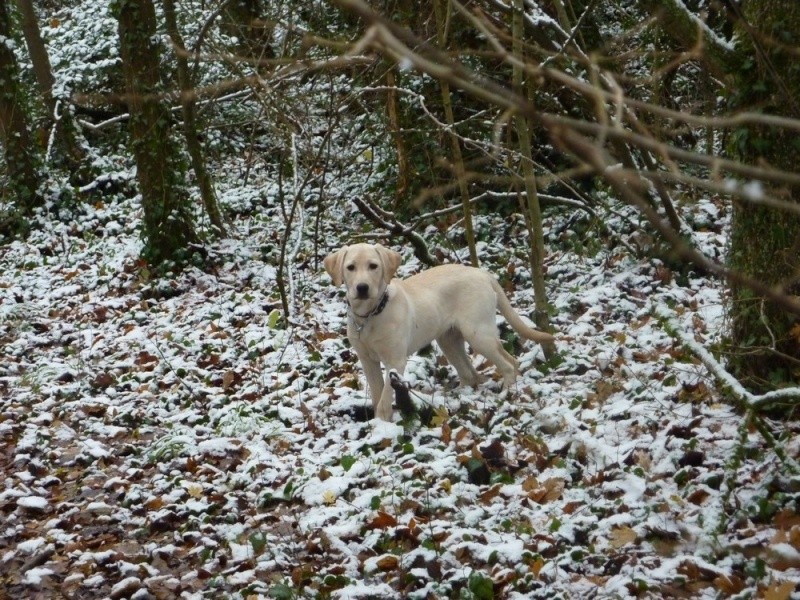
372, 369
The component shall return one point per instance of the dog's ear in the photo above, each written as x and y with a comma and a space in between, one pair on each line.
333, 265
391, 260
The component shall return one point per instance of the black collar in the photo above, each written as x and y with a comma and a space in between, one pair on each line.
375, 311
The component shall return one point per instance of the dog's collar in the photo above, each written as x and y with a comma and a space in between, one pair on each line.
375, 311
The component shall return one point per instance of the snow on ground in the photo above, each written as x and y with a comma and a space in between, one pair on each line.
169, 438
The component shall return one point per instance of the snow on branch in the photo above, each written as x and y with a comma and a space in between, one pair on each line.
728, 381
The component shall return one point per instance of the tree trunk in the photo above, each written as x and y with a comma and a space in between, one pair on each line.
396, 129
765, 242
20, 158
534, 212
168, 229
193, 145
442, 9
69, 150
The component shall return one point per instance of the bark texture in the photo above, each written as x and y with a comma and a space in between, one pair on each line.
168, 229
20, 158
765, 243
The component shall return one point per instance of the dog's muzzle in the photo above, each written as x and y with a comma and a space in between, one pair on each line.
362, 291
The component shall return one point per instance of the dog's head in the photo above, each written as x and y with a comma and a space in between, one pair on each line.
365, 270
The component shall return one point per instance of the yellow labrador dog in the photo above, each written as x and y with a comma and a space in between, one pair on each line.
390, 319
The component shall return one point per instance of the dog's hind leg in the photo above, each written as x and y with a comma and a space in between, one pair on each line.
486, 342
452, 344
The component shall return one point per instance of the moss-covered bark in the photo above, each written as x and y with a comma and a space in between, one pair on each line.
168, 229
765, 243
762, 75
20, 157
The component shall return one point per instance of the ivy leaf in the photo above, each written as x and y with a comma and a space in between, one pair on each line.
273, 319
482, 587
281, 591
347, 462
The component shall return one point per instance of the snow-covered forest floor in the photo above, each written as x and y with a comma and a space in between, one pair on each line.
165, 438
168, 437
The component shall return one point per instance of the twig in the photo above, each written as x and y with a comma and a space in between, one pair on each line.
389, 222
301, 224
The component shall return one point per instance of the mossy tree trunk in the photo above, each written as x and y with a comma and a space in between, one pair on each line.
765, 242
190, 126
20, 158
763, 75
168, 232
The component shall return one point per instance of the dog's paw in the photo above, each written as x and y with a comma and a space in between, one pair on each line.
474, 380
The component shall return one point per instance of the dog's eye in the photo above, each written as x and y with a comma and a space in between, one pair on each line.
351, 267
373, 266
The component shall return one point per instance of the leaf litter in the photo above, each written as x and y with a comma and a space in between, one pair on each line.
165, 439
170, 438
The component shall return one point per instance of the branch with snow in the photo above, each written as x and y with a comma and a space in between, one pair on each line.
728, 381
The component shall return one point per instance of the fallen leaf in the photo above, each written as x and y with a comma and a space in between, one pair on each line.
382, 520
548, 491
729, 585
536, 566
490, 494
195, 489
387, 562
228, 379
779, 591
621, 536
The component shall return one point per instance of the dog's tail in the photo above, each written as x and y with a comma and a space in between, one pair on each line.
515, 320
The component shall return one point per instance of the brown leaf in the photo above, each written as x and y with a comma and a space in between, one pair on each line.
530, 484
779, 591
490, 494
413, 528
228, 379
388, 562
553, 488
145, 359
729, 585
536, 566
461, 434
786, 519
382, 520
698, 496
154, 503
620, 536
547, 491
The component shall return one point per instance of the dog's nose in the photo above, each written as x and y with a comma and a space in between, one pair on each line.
363, 290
